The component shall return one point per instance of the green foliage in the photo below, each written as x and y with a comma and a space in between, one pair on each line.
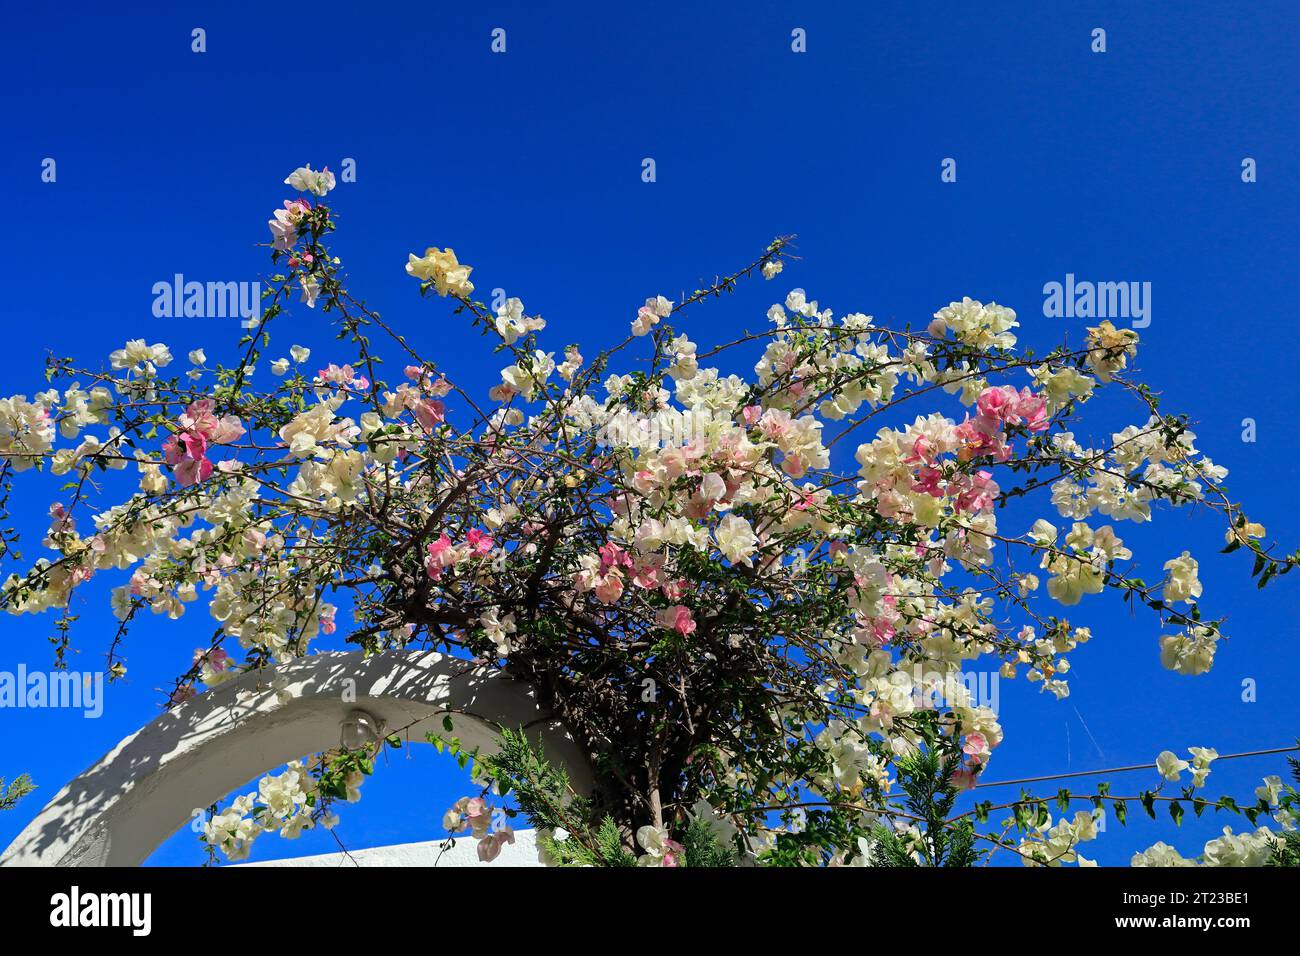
338, 766
10, 795
565, 822
569, 830
925, 777
1286, 851
887, 850
704, 848
604, 849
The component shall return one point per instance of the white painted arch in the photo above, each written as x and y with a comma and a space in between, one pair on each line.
147, 787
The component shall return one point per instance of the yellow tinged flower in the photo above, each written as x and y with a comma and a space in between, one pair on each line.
440, 266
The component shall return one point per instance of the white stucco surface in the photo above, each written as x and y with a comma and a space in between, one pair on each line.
464, 853
119, 810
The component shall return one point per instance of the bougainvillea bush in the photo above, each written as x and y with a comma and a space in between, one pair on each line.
752, 600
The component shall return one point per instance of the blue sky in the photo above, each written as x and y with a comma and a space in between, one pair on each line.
1117, 166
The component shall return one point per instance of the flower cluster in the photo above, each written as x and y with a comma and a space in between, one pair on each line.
722, 584
281, 804
186, 450
474, 815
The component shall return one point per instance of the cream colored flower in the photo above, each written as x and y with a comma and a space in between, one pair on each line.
440, 266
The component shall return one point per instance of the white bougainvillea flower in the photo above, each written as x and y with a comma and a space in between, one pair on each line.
1181, 583
1201, 758
1270, 791
1170, 765
661, 849
139, 357
306, 180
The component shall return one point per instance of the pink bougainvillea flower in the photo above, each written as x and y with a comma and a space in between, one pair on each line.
479, 541
430, 413
441, 555
610, 587
191, 471
612, 556
677, 618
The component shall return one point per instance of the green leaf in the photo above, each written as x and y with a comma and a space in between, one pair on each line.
1149, 803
